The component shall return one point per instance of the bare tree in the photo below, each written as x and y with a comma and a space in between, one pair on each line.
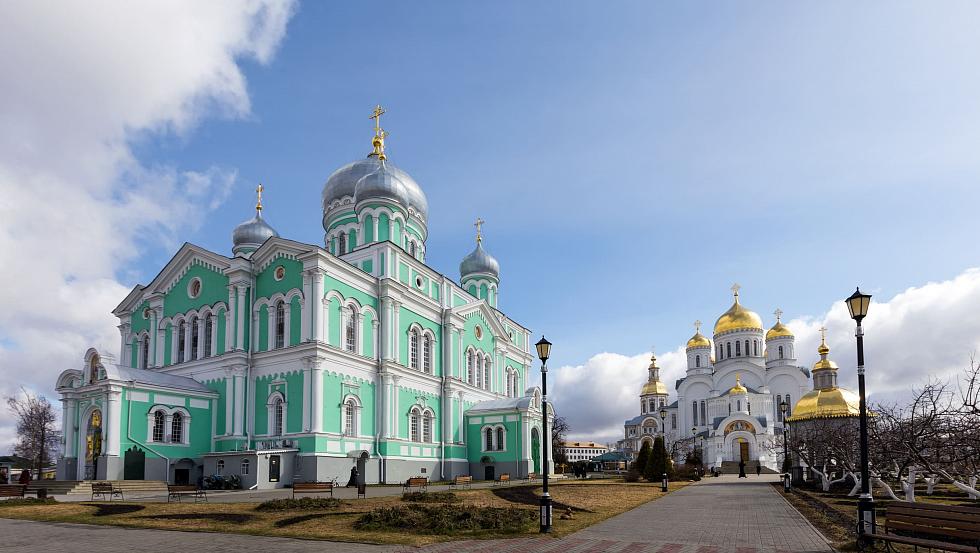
37, 435
559, 429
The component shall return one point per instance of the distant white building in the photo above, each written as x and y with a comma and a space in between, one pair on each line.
582, 451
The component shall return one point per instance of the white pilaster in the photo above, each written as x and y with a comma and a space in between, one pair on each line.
200, 337
229, 402
307, 310
111, 434
230, 319
287, 309
386, 324
239, 401
242, 312
270, 335
69, 412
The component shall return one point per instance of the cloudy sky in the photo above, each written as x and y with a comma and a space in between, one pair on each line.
631, 164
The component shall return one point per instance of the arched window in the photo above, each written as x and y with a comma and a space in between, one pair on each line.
427, 354
789, 406
704, 413
208, 329
720, 356
158, 421
413, 425
738, 405
469, 367
93, 369
195, 336
488, 442
755, 348
341, 244
695, 413
245, 466
500, 438
738, 349
277, 417
219, 468
350, 330
486, 373
177, 428
780, 352
280, 323
181, 341
510, 383
779, 411
144, 352
728, 347
350, 417
411, 249
746, 348
697, 360
427, 426
413, 348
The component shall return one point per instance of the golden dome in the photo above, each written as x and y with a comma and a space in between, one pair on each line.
738, 388
698, 341
657, 387
738, 318
825, 404
779, 330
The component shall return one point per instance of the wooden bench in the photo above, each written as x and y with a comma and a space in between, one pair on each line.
461, 482
944, 527
502, 479
176, 492
106, 490
533, 476
312, 487
420, 482
12, 490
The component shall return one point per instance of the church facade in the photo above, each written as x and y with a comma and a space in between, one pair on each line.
289, 361
728, 401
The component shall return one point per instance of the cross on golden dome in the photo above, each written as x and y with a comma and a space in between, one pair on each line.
697, 327
735, 288
778, 313
479, 229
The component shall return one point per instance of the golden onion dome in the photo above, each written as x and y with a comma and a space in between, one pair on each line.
779, 330
823, 349
738, 388
738, 318
826, 404
657, 387
698, 341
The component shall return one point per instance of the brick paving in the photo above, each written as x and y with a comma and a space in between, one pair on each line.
718, 515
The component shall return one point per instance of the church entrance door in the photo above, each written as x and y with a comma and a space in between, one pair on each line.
743, 449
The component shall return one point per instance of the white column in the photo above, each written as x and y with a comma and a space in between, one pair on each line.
307, 311
187, 341
386, 328
447, 350
154, 321
323, 321
359, 332
396, 417
254, 346
317, 393
395, 331
385, 403
128, 354
230, 319
316, 307
123, 341
375, 338
214, 336
239, 401
307, 391
242, 312
161, 340
229, 403
115, 416
270, 335
200, 337
286, 332
70, 407
168, 424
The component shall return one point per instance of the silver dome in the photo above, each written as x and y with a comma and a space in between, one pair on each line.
343, 181
381, 184
252, 233
479, 262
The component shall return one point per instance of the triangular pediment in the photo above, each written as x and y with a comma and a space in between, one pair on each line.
187, 255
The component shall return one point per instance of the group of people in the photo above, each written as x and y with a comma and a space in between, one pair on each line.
25, 477
741, 469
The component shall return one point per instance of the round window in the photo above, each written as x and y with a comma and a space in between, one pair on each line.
194, 288
419, 282
479, 332
279, 273
146, 313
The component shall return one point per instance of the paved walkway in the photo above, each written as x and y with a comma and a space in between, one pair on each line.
718, 515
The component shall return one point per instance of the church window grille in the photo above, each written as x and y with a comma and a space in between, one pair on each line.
746, 348
755, 348
780, 352
427, 354
341, 244
245, 467
219, 467
697, 360
280, 324
413, 425
195, 337
350, 331
277, 416
500, 438
158, 421
489, 439
177, 429
696, 413
728, 346
704, 417
350, 409
413, 346
208, 329
738, 349
427, 427
181, 341
144, 351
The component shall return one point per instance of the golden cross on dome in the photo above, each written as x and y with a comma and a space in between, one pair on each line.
697, 327
258, 193
778, 313
376, 115
378, 142
823, 334
735, 289
479, 229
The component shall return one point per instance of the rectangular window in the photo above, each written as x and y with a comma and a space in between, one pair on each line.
695, 413
704, 414
738, 348
673, 421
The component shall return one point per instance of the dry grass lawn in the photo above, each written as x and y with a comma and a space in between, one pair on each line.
592, 501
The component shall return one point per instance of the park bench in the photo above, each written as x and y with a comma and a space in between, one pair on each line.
502, 479
12, 490
312, 487
943, 527
461, 482
419, 482
107, 490
176, 492
533, 476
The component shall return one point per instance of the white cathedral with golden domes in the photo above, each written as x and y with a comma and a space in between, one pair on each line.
729, 399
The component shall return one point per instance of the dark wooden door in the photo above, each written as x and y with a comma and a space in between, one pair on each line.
273, 468
744, 450
488, 473
134, 464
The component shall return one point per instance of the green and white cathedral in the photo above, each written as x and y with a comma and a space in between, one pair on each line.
288, 361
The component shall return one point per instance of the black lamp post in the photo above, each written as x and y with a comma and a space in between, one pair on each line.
663, 444
544, 351
783, 408
857, 304
694, 444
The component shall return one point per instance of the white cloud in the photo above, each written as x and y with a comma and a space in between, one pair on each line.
925, 332
82, 82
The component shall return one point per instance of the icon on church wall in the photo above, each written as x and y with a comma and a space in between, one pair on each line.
279, 273
194, 288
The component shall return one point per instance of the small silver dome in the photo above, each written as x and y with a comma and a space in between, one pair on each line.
343, 181
251, 234
479, 262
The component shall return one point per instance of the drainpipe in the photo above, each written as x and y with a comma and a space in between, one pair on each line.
381, 464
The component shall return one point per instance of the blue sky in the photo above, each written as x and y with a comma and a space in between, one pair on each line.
632, 160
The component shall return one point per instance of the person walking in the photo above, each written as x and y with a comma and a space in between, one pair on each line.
758, 470
741, 469
353, 477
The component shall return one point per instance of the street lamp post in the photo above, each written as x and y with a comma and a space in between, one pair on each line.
544, 351
783, 408
697, 454
663, 444
857, 304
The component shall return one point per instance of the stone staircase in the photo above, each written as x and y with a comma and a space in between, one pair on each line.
731, 467
53, 487
128, 487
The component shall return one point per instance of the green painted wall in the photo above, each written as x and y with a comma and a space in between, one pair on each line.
291, 386
134, 427
214, 289
266, 285
406, 318
220, 386
475, 440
